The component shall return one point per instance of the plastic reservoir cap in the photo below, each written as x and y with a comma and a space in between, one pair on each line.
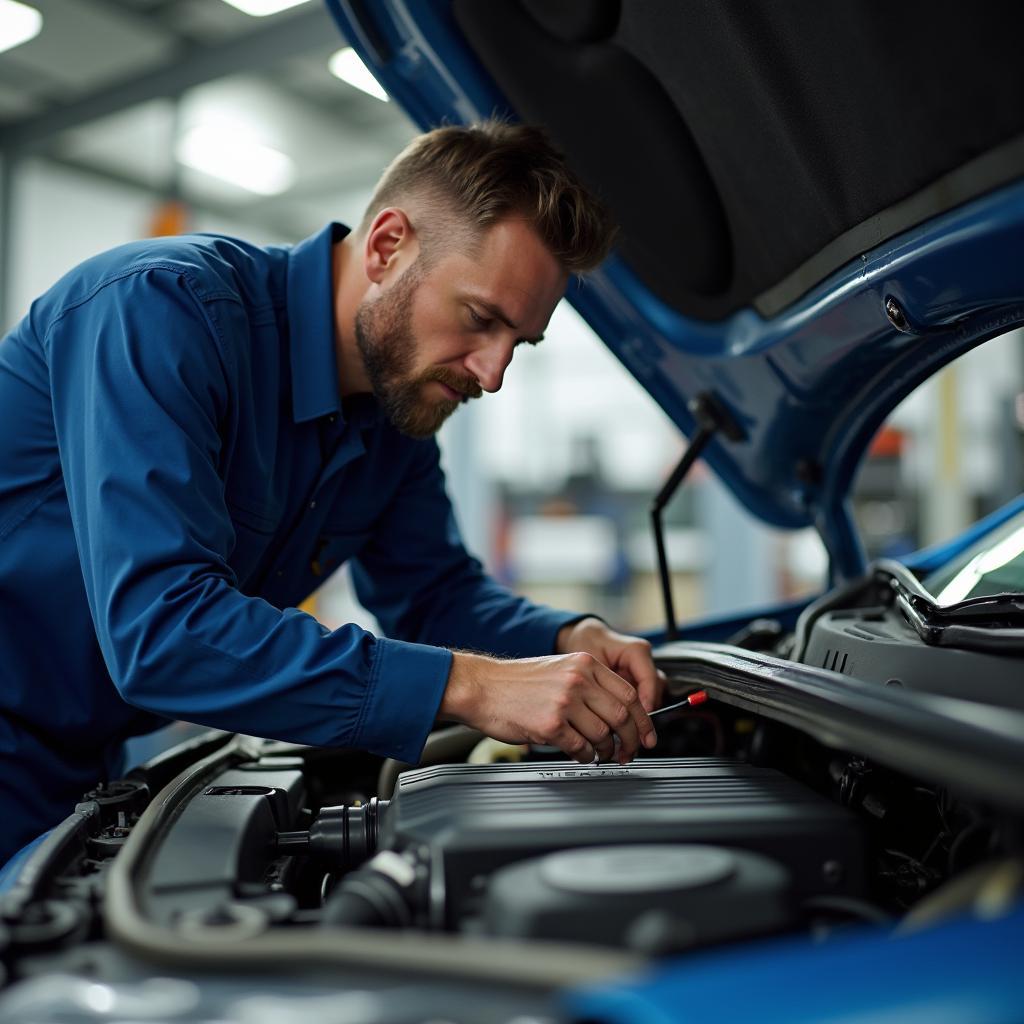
633, 869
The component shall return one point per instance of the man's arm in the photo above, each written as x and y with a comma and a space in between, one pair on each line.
422, 585
142, 388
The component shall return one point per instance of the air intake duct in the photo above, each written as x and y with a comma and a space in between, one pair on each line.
388, 892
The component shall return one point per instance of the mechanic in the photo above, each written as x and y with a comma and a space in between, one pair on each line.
195, 431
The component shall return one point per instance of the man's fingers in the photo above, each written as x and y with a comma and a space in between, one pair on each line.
574, 745
641, 728
620, 717
596, 731
637, 666
583, 707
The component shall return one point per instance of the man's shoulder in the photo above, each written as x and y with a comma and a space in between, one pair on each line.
214, 267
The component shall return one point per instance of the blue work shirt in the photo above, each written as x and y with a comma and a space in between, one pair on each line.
177, 472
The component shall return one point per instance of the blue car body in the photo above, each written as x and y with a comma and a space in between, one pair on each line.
810, 385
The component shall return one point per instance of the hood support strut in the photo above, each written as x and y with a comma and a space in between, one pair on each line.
711, 416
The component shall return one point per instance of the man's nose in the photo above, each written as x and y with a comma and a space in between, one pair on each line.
489, 363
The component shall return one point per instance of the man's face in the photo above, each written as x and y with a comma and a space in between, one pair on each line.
440, 336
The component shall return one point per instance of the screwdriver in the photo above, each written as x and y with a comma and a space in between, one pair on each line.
691, 701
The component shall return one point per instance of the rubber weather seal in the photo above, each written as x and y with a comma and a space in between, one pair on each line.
972, 748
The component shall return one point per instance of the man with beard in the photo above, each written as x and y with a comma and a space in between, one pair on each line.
198, 430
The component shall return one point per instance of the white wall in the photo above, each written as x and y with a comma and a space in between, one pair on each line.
571, 387
61, 217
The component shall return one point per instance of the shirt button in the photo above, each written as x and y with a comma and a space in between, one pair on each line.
312, 504
280, 572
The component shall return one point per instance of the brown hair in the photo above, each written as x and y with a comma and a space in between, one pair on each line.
468, 177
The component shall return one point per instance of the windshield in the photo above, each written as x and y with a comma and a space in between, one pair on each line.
993, 565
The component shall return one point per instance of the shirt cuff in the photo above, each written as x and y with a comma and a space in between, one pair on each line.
407, 683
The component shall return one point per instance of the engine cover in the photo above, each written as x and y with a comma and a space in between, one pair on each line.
472, 820
655, 899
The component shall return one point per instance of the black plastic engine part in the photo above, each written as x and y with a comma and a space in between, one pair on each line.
656, 899
223, 839
390, 891
111, 809
123, 796
346, 832
345, 835
877, 644
477, 819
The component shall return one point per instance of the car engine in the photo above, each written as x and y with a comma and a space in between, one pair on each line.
660, 855
800, 799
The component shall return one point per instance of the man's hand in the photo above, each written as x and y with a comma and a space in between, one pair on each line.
570, 701
629, 656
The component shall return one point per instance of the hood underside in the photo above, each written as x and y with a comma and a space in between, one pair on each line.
820, 205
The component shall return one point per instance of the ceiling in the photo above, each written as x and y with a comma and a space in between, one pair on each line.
108, 85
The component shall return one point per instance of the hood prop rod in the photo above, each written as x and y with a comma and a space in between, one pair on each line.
710, 417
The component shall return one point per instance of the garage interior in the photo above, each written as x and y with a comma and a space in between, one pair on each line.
103, 117
126, 119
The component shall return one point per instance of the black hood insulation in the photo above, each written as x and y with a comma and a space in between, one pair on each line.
749, 149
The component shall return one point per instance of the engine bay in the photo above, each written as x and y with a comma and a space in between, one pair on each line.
660, 856
799, 800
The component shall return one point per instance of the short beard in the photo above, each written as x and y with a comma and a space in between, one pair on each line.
383, 330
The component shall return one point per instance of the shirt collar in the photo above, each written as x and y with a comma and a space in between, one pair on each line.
311, 325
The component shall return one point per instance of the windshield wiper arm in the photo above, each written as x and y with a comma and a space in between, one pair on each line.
983, 623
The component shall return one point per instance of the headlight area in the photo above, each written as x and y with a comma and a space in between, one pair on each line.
793, 803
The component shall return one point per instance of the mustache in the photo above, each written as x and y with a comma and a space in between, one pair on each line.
468, 387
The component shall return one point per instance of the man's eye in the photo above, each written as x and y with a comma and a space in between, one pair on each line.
480, 321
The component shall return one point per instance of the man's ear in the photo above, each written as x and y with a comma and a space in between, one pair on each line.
390, 245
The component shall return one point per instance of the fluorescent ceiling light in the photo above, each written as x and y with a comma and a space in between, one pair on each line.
346, 65
224, 153
18, 24
261, 8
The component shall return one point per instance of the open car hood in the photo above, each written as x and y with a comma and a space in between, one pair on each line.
820, 207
